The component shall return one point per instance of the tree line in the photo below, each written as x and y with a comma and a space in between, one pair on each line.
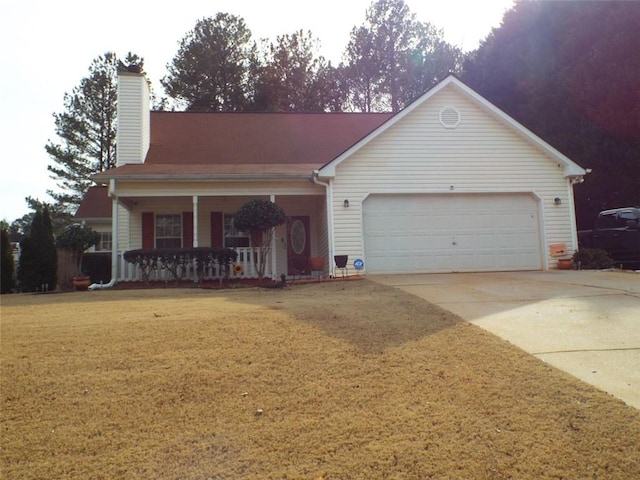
388, 59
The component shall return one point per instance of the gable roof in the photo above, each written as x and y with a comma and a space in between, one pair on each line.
571, 169
218, 145
95, 205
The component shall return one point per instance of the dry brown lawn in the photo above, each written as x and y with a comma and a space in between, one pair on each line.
340, 380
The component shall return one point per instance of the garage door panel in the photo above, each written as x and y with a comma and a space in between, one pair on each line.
441, 233
483, 242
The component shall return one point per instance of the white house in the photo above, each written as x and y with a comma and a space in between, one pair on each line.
450, 183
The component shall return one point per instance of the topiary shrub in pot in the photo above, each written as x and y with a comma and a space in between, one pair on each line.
260, 218
78, 238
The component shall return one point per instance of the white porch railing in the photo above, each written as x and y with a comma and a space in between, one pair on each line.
248, 259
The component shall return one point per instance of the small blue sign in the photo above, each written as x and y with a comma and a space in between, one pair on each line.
358, 263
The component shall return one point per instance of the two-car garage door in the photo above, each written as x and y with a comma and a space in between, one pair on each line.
451, 233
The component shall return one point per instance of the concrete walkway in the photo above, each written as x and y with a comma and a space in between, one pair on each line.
586, 323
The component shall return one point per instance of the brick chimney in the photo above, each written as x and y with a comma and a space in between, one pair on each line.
132, 138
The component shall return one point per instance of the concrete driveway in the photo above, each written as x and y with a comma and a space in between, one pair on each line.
586, 323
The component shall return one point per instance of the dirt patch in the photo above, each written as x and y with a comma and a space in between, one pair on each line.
335, 380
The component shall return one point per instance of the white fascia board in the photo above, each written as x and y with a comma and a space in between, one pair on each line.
571, 169
94, 219
212, 177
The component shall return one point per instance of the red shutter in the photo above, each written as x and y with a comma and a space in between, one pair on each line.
187, 229
147, 230
216, 229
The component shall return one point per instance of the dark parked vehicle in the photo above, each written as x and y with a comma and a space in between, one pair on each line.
617, 232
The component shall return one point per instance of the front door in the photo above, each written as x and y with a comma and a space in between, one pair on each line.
298, 245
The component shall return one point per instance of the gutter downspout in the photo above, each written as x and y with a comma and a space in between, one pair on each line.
572, 209
114, 241
272, 243
329, 197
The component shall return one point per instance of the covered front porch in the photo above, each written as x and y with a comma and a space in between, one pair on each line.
150, 221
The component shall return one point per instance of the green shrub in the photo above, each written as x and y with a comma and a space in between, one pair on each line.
592, 259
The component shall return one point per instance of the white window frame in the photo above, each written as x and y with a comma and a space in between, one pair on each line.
232, 237
106, 242
168, 235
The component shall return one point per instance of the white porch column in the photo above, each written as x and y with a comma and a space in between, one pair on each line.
273, 247
114, 235
195, 220
330, 222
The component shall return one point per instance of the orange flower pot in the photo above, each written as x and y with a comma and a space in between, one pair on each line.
81, 282
565, 264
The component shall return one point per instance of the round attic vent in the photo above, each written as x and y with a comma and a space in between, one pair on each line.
449, 117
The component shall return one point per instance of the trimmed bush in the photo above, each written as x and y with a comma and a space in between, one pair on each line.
175, 260
592, 259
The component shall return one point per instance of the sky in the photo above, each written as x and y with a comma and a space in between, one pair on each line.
46, 48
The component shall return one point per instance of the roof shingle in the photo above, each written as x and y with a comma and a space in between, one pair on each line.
255, 138
244, 144
95, 204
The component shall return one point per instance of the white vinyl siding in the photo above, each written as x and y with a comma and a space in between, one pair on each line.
133, 119
419, 155
125, 227
322, 249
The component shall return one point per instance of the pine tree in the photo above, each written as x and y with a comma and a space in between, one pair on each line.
219, 68
86, 130
210, 72
291, 78
393, 58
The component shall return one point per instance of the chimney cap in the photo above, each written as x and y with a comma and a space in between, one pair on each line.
131, 68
